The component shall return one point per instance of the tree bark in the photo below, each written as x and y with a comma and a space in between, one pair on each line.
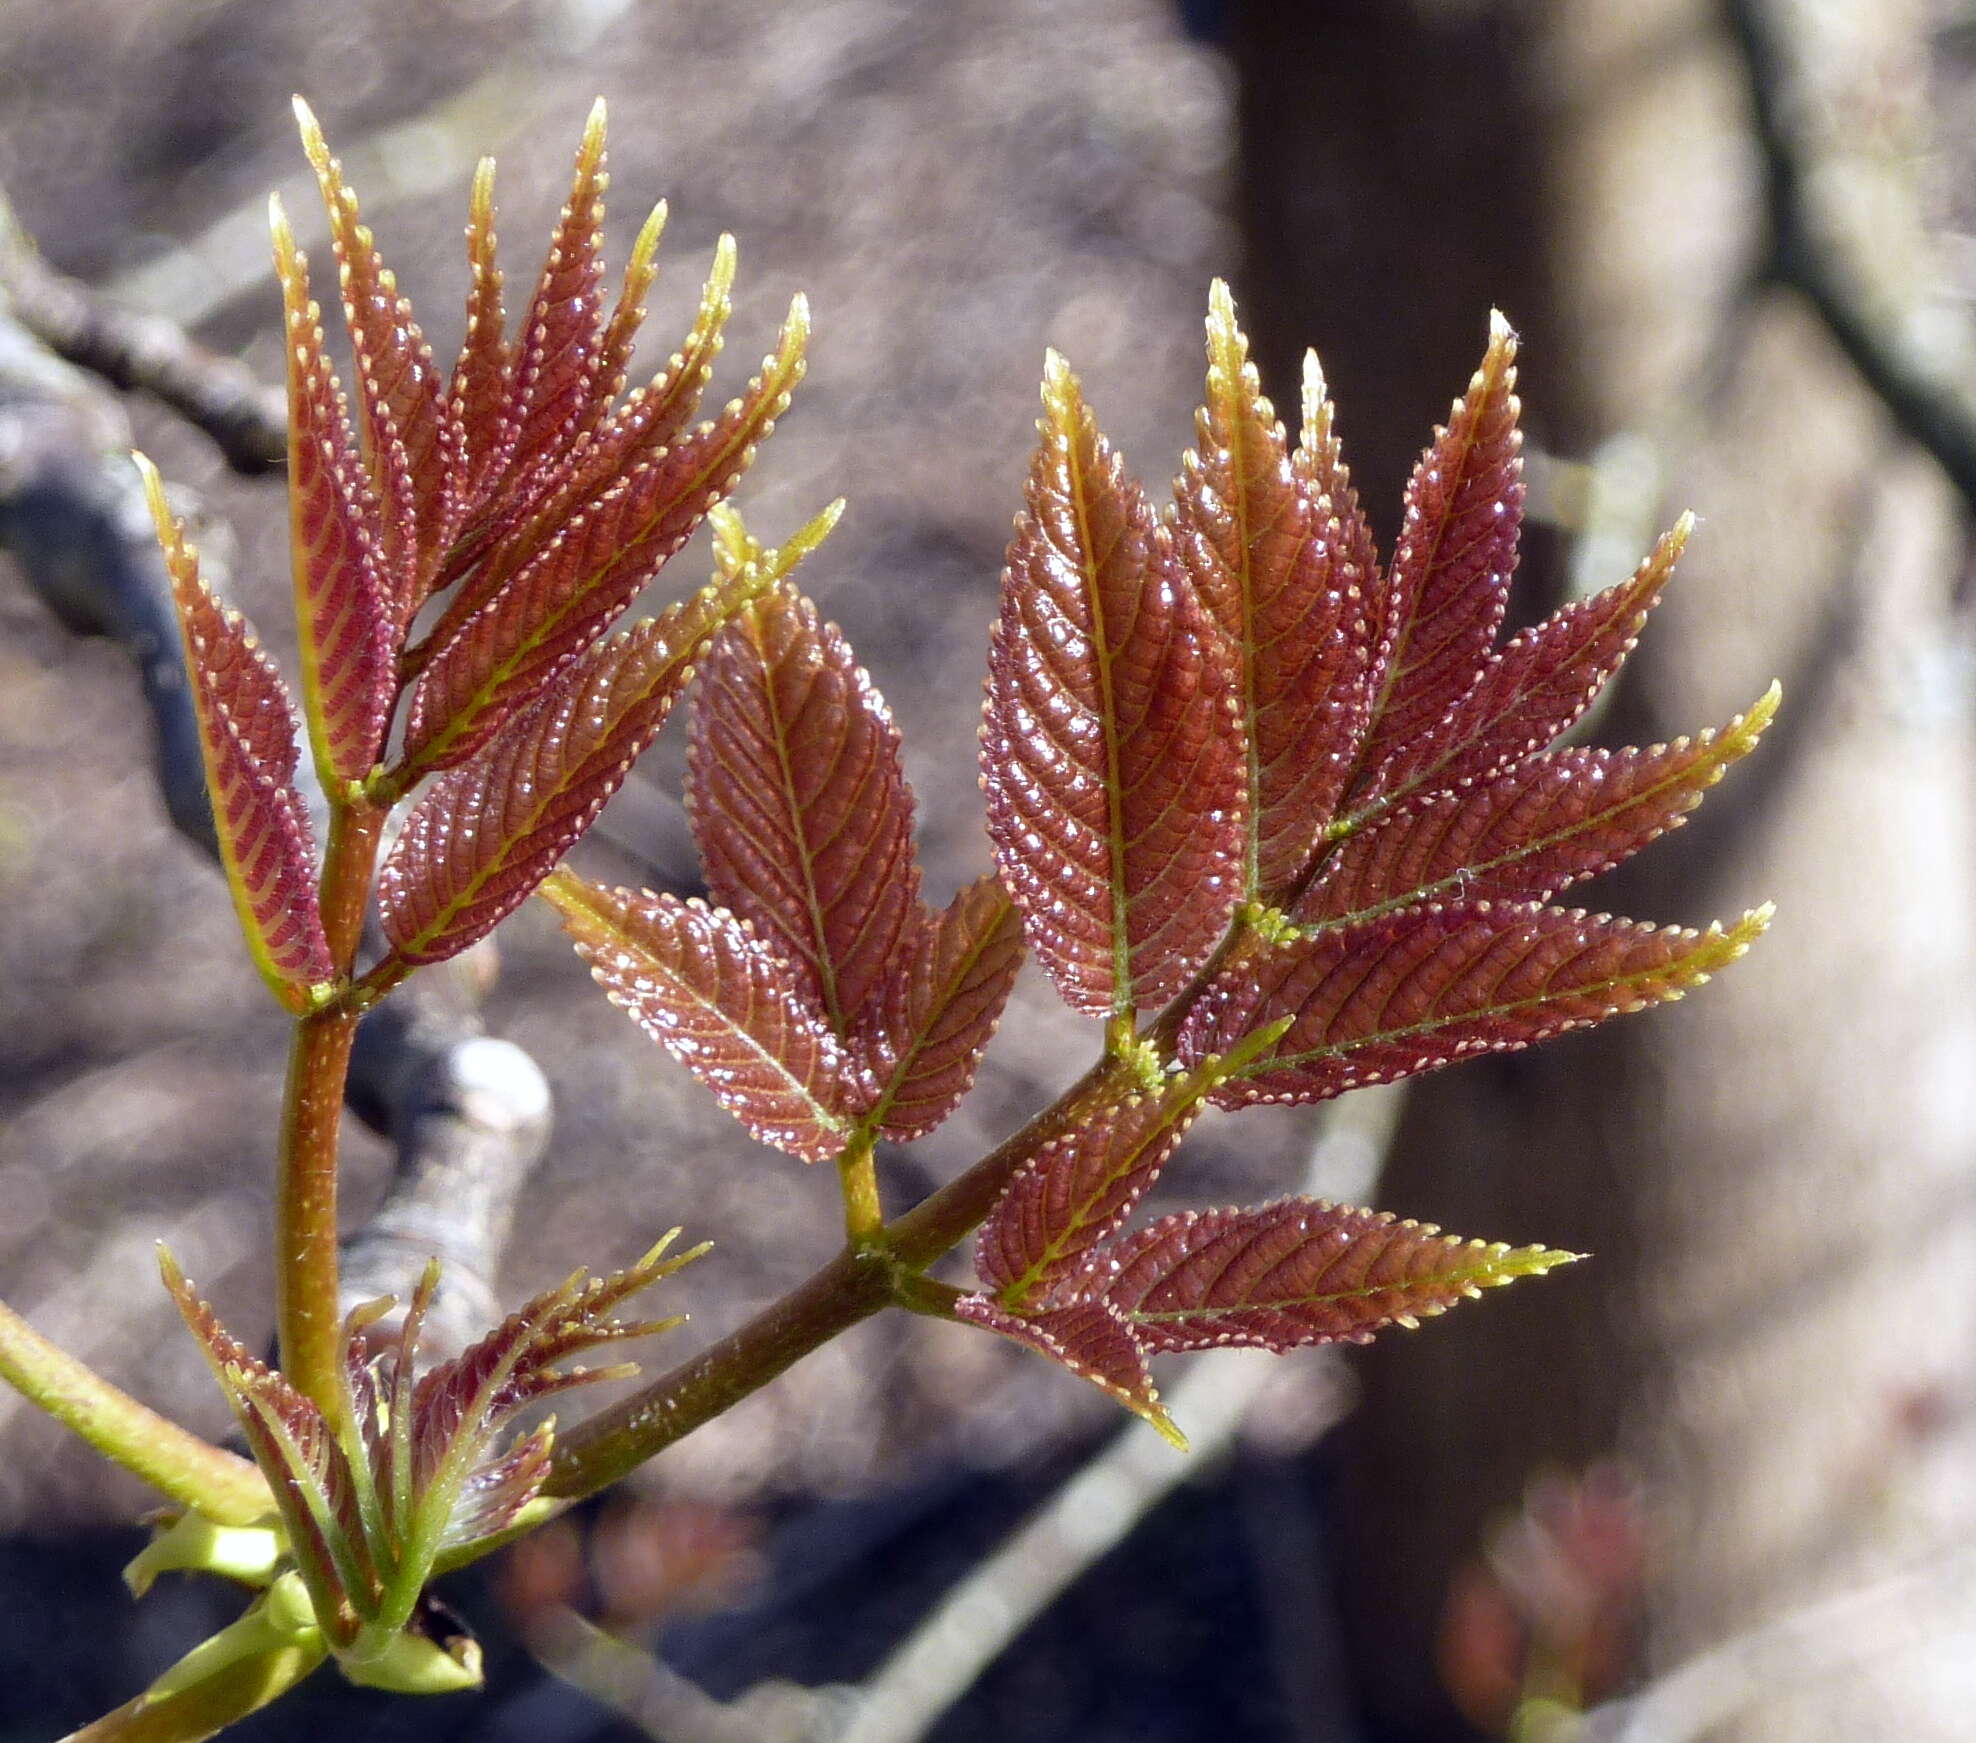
1775, 1177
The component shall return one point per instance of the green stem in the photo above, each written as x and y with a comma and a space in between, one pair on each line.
224, 1488
852, 1287
208, 1706
864, 1214
307, 1323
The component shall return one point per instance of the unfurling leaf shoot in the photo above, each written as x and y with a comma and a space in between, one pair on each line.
1284, 819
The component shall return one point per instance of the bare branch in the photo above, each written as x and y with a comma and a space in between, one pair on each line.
1926, 386
145, 353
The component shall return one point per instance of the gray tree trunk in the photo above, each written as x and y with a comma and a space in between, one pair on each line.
1776, 1176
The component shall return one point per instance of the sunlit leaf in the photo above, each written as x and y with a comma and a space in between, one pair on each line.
1388, 998
559, 349
799, 803
247, 737
1297, 1272
349, 629
1272, 562
525, 515
480, 397
1526, 834
592, 567
1091, 1340
410, 443
485, 834
1543, 679
1448, 584
928, 1021
723, 1003
1111, 754
1076, 1192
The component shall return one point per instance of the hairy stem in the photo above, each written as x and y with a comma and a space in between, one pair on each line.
180, 1465
864, 1214
307, 1323
208, 1706
850, 1288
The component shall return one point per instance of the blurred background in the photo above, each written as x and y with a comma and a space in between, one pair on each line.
1720, 1483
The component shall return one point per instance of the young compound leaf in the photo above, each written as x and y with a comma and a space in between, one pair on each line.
487, 833
799, 803
1076, 1192
528, 512
478, 400
247, 737
1448, 585
1090, 1339
307, 1470
409, 442
1275, 567
722, 1002
1111, 756
1530, 832
459, 1408
590, 571
1297, 1272
349, 630
560, 348
1389, 998
1543, 679
928, 1022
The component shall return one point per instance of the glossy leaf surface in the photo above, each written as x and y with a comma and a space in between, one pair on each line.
1277, 568
1297, 1272
1448, 585
1389, 998
590, 570
723, 1003
1111, 755
410, 443
799, 802
931, 1018
247, 737
1536, 687
1090, 1339
1077, 1192
350, 630
487, 833
1528, 833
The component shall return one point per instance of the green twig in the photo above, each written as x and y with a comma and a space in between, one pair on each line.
176, 1463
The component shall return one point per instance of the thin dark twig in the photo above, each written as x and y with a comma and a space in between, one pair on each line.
1930, 400
142, 353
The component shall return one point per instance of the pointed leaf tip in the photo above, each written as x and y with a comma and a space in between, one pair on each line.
1297, 1272
247, 741
1111, 756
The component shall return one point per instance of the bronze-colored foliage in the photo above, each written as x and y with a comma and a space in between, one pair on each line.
723, 1002
489, 831
1285, 819
1299, 1271
1111, 754
1405, 826
247, 737
799, 803
1385, 999
928, 1023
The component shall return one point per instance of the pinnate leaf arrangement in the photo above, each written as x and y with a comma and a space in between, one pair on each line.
1283, 819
